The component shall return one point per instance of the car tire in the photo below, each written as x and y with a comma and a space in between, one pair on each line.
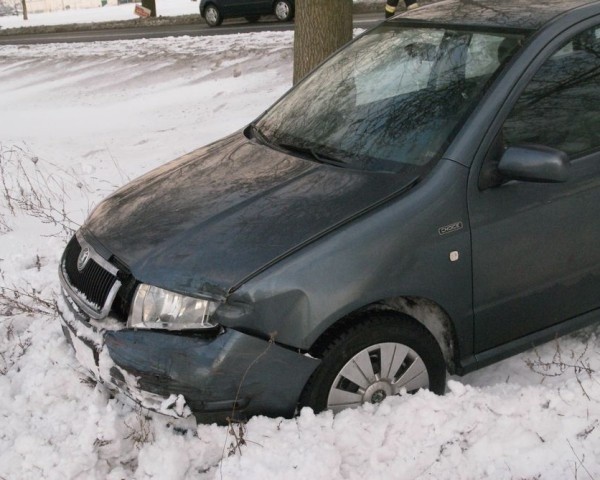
252, 18
283, 10
212, 15
395, 354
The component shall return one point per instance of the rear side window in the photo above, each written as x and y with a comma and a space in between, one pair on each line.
560, 108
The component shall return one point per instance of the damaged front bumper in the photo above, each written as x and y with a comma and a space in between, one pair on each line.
214, 377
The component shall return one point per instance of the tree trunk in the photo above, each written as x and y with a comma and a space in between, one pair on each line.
24, 5
151, 4
322, 26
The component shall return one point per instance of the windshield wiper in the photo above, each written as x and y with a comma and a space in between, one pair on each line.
314, 154
256, 133
288, 147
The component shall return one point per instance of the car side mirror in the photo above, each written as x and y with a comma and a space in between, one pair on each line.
534, 163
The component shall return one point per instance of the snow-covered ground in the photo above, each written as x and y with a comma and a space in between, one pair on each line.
79, 120
165, 8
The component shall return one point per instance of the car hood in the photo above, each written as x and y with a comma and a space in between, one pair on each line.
219, 215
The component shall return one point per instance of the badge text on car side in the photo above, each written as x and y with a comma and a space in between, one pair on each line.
453, 227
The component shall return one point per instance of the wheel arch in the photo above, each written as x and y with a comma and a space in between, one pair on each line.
423, 311
203, 8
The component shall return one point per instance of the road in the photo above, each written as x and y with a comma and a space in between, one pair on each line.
365, 20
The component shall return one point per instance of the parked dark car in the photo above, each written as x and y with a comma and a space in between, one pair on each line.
433, 208
215, 11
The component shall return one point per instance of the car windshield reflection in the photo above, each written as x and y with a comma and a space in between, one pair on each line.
392, 100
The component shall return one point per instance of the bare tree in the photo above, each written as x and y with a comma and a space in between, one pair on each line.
24, 4
322, 26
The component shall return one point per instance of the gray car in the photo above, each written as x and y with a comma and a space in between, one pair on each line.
433, 208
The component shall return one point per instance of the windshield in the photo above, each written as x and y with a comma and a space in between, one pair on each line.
391, 101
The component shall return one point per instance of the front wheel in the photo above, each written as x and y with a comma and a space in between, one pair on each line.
385, 355
212, 15
284, 11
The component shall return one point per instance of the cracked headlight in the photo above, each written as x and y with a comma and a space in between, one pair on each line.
156, 308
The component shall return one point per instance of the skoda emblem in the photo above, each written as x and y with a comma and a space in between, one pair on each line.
83, 258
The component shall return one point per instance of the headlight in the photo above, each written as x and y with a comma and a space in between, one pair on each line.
154, 307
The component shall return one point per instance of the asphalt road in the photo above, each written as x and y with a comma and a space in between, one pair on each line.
365, 20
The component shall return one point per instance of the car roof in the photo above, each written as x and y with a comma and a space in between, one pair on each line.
520, 14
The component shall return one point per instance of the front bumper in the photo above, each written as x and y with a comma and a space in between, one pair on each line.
214, 377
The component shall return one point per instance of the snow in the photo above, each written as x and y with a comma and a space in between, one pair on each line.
79, 120
166, 8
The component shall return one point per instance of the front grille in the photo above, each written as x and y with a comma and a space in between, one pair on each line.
93, 284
